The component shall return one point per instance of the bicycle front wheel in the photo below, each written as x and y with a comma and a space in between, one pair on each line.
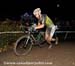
23, 45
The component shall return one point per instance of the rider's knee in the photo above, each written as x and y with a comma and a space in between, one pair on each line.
45, 38
48, 38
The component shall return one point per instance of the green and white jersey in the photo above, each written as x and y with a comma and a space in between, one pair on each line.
46, 20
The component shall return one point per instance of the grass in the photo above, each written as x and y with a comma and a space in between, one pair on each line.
8, 39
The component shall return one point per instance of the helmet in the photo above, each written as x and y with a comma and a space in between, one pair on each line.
37, 10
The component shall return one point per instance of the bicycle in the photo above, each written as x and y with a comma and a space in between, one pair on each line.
24, 44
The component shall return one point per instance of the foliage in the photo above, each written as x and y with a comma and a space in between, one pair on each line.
8, 39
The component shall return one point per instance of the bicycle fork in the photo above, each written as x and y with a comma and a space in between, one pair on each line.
26, 42
28, 38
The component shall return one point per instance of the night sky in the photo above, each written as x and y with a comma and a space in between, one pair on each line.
14, 8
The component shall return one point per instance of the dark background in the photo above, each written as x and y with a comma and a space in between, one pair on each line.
14, 8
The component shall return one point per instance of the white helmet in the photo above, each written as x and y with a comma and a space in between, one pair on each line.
37, 10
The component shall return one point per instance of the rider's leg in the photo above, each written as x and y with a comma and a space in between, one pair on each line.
47, 37
51, 35
56, 42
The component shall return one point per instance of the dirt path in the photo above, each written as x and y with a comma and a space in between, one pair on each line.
61, 55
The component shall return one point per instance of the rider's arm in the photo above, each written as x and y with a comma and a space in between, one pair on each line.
39, 26
41, 23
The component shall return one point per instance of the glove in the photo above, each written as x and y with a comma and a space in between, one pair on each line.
33, 27
30, 29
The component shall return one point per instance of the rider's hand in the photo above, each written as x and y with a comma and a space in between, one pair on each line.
33, 27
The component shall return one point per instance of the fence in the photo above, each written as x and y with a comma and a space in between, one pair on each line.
12, 32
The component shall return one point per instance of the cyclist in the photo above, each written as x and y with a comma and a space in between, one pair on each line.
44, 20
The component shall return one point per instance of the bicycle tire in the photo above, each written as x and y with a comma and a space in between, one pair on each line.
17, 43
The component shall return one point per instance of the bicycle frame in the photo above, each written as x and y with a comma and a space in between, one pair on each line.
30, 35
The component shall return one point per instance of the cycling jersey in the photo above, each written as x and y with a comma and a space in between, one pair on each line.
46, 20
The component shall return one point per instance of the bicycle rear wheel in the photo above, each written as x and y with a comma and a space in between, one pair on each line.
22, 46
